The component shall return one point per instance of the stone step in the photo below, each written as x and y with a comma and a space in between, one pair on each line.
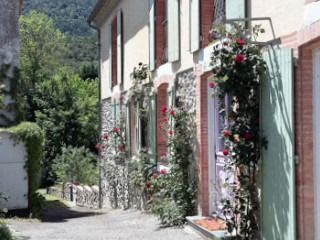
205, 233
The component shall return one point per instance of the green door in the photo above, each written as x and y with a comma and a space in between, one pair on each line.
278, 167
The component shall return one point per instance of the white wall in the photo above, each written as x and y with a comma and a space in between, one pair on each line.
13, 175
135, 39
287, 15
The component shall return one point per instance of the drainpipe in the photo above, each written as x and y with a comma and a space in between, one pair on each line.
99, 130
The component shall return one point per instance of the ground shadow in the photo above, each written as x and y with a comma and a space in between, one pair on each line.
63, 214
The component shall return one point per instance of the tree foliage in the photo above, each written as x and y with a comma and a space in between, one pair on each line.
68, 15
42, 46
68, 114
76, 165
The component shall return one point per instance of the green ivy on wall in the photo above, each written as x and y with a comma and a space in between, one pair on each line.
32, 136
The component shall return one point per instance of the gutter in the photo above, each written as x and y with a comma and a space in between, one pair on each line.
100, 127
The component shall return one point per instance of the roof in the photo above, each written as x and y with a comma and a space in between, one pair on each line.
106, 5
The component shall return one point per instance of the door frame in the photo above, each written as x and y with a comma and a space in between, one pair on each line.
316, 136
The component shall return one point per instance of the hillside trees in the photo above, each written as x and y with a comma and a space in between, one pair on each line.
63, 104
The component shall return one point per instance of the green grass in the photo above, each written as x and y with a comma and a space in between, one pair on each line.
51, 202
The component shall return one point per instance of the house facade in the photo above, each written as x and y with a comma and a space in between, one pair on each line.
172, 37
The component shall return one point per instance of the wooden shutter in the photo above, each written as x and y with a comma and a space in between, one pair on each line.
119, 47
138, 130
152, 55
110, 54
171, 95
128, 137
173, 30
278, 167
194, 25
235, 9
152, 125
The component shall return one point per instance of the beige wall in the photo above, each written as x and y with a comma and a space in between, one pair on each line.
287, 15
135, 42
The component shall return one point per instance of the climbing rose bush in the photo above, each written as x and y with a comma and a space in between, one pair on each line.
237, 71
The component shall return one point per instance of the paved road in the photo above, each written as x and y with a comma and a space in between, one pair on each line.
86, 224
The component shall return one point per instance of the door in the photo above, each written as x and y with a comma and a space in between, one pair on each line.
278, 167
216, 160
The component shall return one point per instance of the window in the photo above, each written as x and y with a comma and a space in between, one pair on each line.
164, 41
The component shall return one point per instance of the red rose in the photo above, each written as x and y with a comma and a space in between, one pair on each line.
239, 58
236, 140
226, 133
102, 146
211, 84
115, 129
149, 184
181, 108
105, 136
218, 70
161, 138
97, 146
165, 119
248, 135
172, 112
164, 109
154, 175
239, 41
170, 132
164, 154
140, 63
121, 147
225, 152
163, 171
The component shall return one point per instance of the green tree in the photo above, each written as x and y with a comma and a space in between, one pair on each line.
42, 48
68, 115
76, 165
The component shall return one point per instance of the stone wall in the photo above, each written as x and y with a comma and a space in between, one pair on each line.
186, 94
116, 192
82, 195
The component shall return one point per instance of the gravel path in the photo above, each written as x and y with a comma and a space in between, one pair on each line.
87, 224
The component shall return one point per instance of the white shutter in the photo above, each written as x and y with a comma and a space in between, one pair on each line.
173, 30
119, 48
110, 54
194, 25
152, 55
235, 9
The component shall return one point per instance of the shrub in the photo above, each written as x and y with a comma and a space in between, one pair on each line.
76, 164
5, 233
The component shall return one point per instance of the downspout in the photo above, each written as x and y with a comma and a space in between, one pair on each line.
99, 129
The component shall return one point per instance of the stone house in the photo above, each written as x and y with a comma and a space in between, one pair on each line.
172, 38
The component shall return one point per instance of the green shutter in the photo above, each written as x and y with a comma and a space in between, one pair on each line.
128, 138
235, 9
152, 55
115, 110
110, 54
152, 124
173, 30
138, 130
171, 95
119, 47
278, 167
194, 25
